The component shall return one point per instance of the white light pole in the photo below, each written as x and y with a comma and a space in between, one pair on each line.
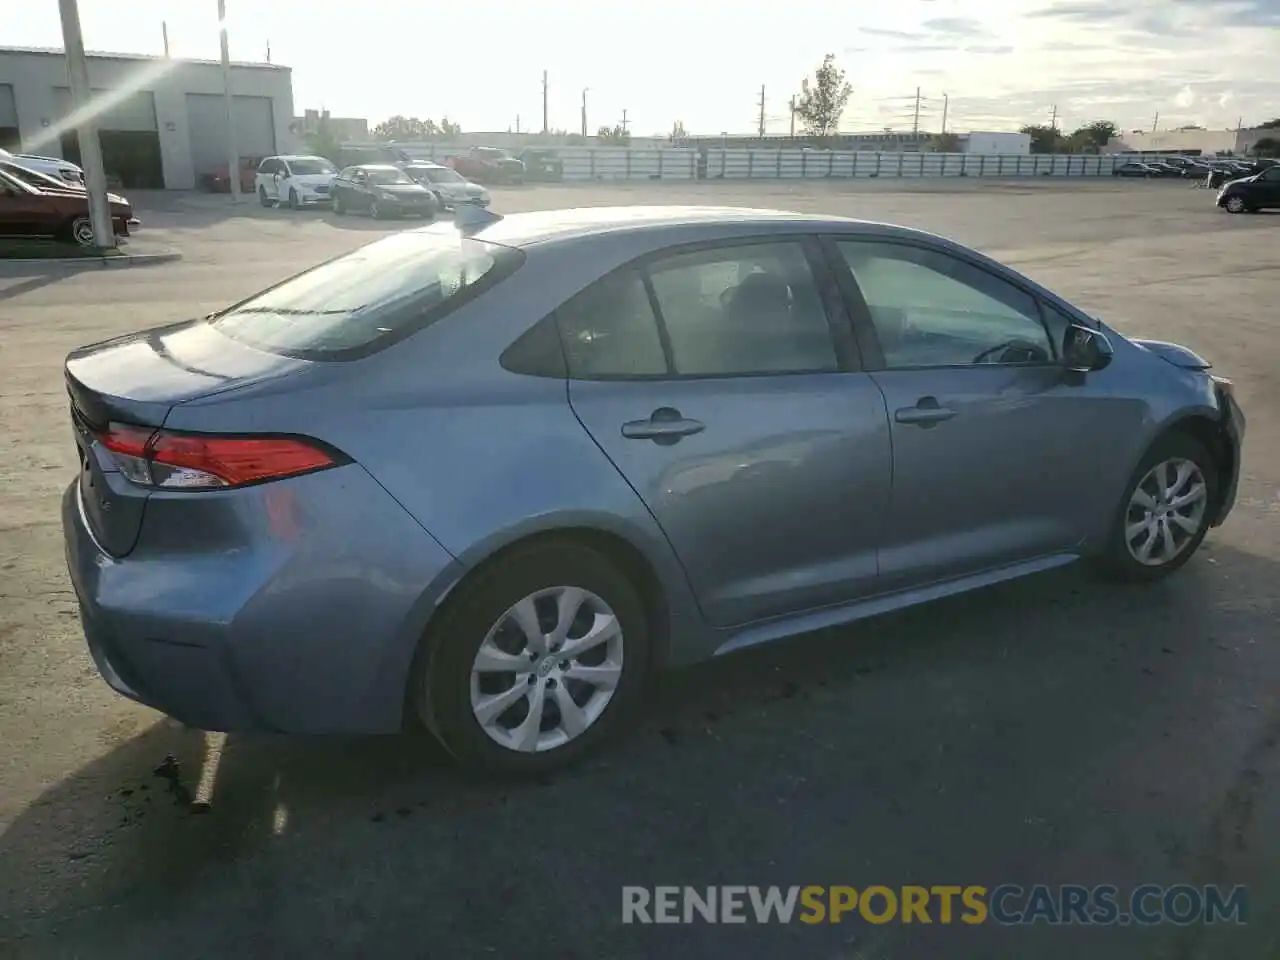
233, 153
95, 175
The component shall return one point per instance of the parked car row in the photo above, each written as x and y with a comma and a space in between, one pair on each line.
1213, 171
390, 189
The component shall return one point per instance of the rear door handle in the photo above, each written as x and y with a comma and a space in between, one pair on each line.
925, 413
665, 425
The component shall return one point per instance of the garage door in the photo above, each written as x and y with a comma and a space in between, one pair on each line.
8, 109
207, 121
136, 111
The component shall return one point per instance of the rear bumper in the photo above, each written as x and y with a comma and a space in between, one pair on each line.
1233, 426
309, 625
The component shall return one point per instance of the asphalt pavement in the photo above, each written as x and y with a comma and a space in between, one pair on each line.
1052, 731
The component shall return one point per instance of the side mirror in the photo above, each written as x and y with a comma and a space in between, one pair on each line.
1085, 350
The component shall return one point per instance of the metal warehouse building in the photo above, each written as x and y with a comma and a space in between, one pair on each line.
164, 122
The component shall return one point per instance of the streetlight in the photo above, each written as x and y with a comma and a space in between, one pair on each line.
95, 174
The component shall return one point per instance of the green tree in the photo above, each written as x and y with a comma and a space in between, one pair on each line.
1270, 124
1093, 137
614, 136
822, 102
678, 132
1044, 139
321, 142
448, 128
1267, 146
945, 143
405, 128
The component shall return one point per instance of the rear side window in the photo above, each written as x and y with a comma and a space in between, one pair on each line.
360, 302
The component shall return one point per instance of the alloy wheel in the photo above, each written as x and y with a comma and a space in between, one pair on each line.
1166, 511
1235, 204
547, 669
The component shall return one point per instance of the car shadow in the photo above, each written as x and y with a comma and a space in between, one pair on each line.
965, 716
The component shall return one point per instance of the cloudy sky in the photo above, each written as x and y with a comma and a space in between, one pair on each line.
1003, 63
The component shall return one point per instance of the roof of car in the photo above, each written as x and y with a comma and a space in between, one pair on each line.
526, 229
296, 156
377, 166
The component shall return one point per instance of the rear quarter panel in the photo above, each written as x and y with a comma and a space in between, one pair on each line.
479, 456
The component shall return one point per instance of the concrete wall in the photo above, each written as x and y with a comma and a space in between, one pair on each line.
37, 76
676, 163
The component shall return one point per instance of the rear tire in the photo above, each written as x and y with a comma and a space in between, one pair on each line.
263, 198
547, 580
293, 199
1147, 499
339, 209
375, 211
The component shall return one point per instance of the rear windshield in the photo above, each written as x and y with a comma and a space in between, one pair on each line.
369, 298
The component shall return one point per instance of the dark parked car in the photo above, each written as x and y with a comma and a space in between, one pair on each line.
488, 165
1133, 169
58, 212
381, 190
542, 165
488, 476
37, 179
1258, 192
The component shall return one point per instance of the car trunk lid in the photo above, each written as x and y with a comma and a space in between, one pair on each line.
136, 380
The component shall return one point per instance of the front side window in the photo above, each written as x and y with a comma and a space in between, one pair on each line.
931, 309
743, 310
389, 288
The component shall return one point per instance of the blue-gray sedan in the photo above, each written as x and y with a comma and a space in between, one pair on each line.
491, 476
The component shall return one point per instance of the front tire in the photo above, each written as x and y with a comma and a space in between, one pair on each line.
1166, 512
375, 211
81, 232
536, 662
263, 198
1235, 205
339, 208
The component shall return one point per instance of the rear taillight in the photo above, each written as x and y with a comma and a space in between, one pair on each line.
202, 461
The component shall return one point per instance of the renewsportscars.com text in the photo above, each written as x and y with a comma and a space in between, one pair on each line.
1008, 904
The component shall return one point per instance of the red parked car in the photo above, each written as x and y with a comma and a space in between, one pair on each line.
219, 182
63, 214
487, 165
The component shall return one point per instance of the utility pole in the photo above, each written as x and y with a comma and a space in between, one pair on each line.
1053, 118
1155, 124
584, 111
268, 51
946, 105
793, 116
517, 124
915, 124
233, 154
545, 127
164, 32
95, 175
624, 119
761, 109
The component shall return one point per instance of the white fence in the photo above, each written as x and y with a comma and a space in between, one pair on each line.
622, 163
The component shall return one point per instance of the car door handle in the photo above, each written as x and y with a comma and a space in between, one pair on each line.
925, 413
665, 426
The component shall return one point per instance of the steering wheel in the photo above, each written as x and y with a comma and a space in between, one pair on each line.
1025, 345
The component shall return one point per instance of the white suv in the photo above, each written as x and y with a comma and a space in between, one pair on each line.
298, 181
